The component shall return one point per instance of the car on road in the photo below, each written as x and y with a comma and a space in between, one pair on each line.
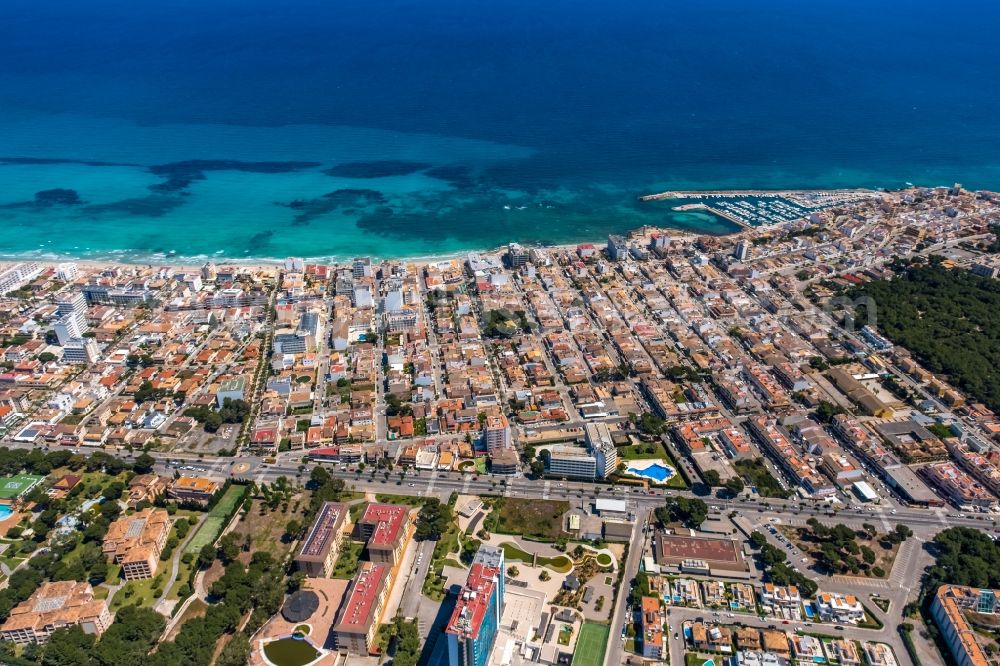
839, 628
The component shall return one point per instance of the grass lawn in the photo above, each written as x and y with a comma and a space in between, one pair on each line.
560, 563
406, 500
881, 603
209, 529
604, 560
642, 451
266, 529
356, 510
183, 575
347, 560
761, 478
591, 645
653, 451
197, 608
448, 543
536, 518
134, 592
433, 587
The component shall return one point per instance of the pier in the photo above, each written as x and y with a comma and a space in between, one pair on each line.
784, 194
714, 211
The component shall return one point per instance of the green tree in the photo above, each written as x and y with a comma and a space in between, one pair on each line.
735, 485
68, 646
236, 652
432, 521
143, 463
206, 556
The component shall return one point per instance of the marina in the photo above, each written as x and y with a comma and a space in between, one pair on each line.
753, 208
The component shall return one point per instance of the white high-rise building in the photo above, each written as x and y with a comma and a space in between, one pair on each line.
75, 303
70, 327
81, 351
742, 252
16, 276
67, 271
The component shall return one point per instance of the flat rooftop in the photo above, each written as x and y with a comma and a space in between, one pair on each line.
675, 548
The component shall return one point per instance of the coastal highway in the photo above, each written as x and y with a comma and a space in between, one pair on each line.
441, 484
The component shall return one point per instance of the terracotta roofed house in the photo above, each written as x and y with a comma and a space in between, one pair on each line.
192, 489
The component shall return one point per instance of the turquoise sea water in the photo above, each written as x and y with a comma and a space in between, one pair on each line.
251, 130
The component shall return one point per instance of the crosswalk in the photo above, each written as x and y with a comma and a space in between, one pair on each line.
874, 583
545, 490
901, 566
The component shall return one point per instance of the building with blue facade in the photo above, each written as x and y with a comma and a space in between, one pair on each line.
472, 629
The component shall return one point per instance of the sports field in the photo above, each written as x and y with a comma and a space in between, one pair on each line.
213, 523
12, 487
591, 645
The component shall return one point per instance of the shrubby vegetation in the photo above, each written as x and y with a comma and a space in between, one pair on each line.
691, 512
965, 556
232, 411
948, 319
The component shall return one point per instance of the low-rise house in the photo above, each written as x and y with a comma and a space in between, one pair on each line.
836, 607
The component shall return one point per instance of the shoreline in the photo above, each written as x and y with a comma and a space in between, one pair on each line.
829, 197
197, 261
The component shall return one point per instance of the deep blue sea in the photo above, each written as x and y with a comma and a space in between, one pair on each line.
326, 128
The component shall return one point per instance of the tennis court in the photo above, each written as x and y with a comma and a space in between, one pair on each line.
12, 487
591, 645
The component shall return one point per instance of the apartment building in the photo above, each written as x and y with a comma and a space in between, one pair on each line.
782, 601
571, 462
948, 610
321, 546
602, 448
497, 434
135, 542
472, 630
960, 488
361, 610
836, 607
52, 606
652, 629
384, 528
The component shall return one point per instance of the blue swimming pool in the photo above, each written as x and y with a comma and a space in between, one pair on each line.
5, 511
657, 472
